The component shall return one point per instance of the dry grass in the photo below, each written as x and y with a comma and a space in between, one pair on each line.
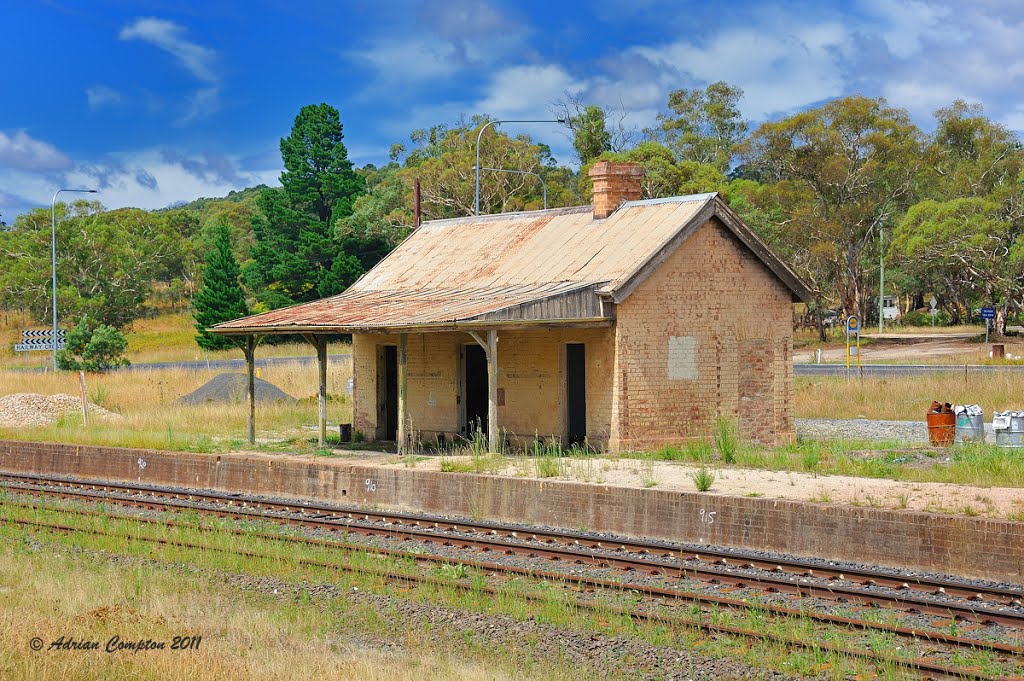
146, 400
165, 338
244, 636
904, 398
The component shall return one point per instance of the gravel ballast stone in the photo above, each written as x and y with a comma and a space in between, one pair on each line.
25, 410
230, 388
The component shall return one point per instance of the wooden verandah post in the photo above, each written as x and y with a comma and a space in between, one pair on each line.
491, 350
320, 343
403, 380
249, 350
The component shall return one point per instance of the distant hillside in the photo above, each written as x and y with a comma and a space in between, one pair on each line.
201, 205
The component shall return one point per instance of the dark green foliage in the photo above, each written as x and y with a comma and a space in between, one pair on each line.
96, 349
221, 297
318, 177
590, 134
297, 256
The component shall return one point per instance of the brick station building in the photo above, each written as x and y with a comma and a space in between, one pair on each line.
630, 324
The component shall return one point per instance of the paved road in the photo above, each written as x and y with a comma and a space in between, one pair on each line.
232, 363
905, 369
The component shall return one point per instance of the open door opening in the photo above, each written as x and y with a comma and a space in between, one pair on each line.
576, 393
475, 371
387, 392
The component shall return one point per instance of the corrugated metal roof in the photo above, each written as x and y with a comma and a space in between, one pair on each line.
356, 309
451, 270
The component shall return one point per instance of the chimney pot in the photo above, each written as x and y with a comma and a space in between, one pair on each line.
614, 183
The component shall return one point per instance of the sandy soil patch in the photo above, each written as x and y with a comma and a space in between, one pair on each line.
996, 502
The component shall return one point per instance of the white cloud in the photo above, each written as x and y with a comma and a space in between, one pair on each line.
779, 71
202, 103
20, 151
408, 60
100, 96
170, 37
906, 26
526, 91
147, 179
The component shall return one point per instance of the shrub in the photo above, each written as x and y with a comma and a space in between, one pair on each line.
96, 350
703, 479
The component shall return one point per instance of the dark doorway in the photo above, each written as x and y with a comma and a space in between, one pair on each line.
387, 392
576, 393
476, 390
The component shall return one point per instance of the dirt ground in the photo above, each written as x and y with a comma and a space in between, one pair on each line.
995, 502
914, 348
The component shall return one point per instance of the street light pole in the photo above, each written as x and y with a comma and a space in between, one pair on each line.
543, 184
53, 260
480, 134
881, 279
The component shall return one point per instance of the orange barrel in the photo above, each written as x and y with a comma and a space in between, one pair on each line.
941, 429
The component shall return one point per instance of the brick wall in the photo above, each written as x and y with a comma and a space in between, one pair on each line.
531, 376
971, 547
709, 333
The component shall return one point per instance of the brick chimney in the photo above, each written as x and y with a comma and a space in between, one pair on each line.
613, 184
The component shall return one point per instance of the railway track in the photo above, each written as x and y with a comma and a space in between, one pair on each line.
649, 558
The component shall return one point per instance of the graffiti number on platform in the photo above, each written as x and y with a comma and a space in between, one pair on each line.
707, 517
371, 486
142, 464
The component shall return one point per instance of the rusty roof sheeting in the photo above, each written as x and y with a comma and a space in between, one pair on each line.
375, 309
454, 270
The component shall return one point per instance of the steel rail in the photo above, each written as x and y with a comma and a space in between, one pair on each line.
768, 583
673, 594
735, 559
916, 664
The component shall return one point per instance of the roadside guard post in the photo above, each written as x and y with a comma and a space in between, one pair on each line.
852, 344
988, 314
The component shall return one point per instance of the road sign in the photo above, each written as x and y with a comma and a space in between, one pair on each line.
852, 343
38, 346
933, 302
40, 340
28, 334
988, 313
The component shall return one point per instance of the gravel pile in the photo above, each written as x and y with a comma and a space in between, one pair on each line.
23, 410
909, 432
228, 388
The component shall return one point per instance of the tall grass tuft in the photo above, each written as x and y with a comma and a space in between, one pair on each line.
726, 439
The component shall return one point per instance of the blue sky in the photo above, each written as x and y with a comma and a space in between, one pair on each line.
159, 101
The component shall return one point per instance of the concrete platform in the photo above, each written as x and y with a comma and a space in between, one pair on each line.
970, 547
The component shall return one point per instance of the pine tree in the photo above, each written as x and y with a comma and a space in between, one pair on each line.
298, 256
221, 297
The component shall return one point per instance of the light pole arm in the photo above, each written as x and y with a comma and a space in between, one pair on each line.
480, 134
53, 259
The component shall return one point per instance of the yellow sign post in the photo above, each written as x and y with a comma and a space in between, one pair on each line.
852, 345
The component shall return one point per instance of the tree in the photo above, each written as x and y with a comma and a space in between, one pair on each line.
297, 256
704, 126
663, 176
963, 243
318, 178
107, 262
96, 349
590, 136
220, 298
842, 171
384, 211
443, 158
962, 240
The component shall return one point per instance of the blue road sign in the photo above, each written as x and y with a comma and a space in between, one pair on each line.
988, 313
